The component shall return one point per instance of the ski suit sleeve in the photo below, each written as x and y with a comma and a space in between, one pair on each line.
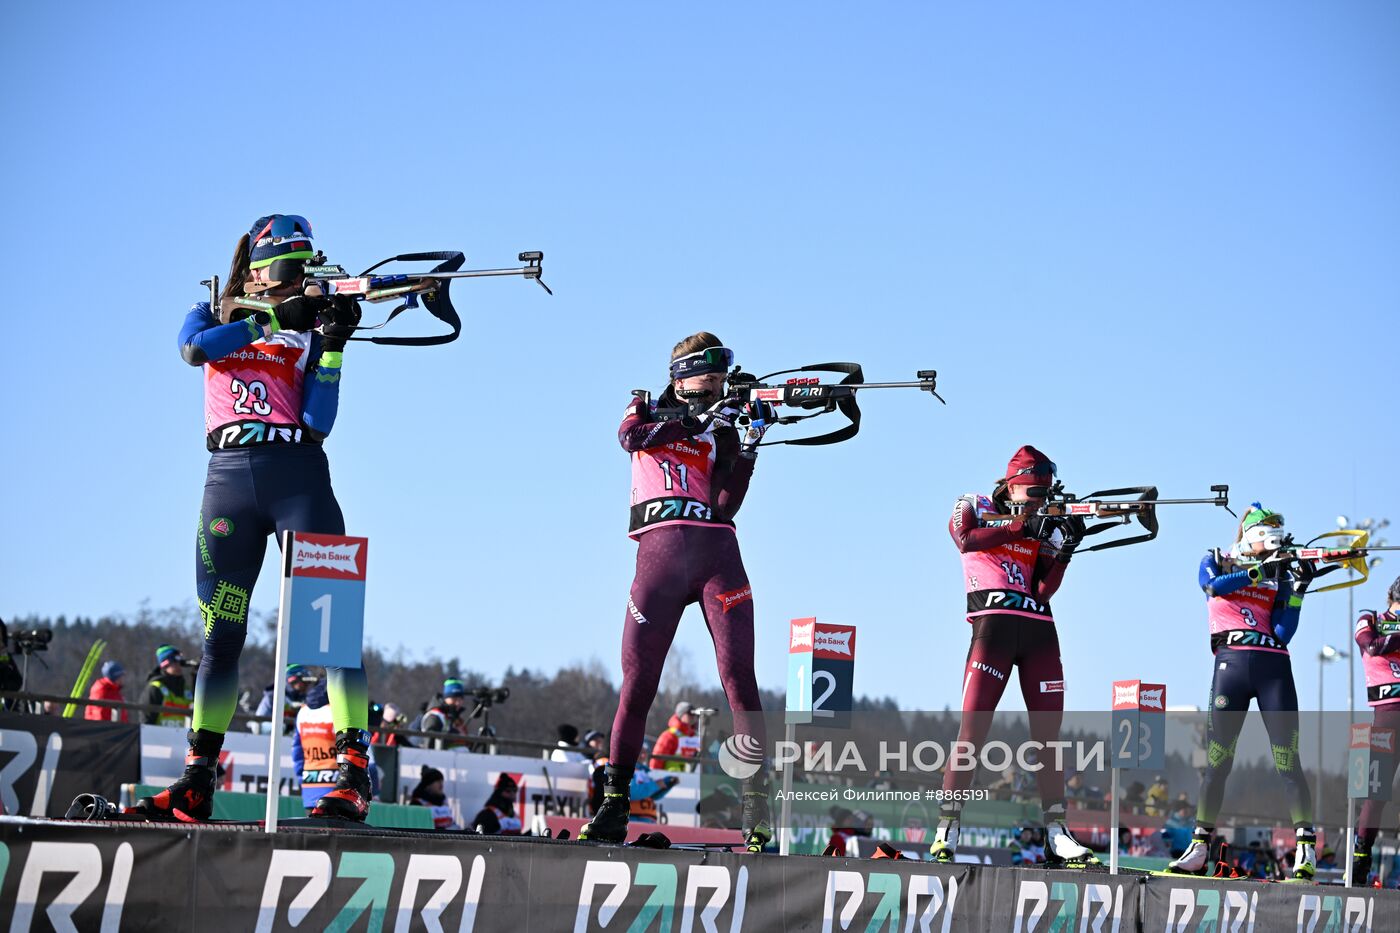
666, 744
1371, 641
321, 396
1049, 574
203, 339
265, 704
732, 473
644, 788
1216, 583
1288, 608
968, 537
298, 754
640, 432
154, 698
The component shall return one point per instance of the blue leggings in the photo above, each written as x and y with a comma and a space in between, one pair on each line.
1242, 675
248, 495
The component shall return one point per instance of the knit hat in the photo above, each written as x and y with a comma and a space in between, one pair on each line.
568, 733
112, 670
279, 236
296, 670
1029, 467
683, 707
453, 688
167, 652
1258, 515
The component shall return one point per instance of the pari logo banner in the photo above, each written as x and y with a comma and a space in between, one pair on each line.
332, 557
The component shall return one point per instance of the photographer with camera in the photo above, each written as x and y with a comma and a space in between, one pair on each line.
10, 677
445, 714
23, 643
166, 686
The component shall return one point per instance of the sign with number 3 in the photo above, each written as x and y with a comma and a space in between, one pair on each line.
325, 580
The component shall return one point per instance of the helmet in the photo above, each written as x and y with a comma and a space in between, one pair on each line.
1261, 526
1393, 594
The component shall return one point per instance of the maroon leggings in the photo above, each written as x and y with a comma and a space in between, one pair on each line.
1373, 811
678, 565
1000, 642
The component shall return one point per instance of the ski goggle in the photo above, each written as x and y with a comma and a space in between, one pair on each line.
283, 227
1040, 469
1258, 515
288, 238
709, 360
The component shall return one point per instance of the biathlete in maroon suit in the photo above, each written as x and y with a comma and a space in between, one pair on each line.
689, 478
1378, 637
1012, 566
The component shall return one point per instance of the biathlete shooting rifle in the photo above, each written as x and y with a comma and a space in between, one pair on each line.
1352, 556
760, 398
320, 278
1109, 508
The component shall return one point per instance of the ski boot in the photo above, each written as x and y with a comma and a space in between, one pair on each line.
192, 795
756, 825
945, 840
349, 799
1062, 850
1305, 859
609, 824
1195, 859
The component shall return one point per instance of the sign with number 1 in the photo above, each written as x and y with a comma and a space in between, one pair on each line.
326, 621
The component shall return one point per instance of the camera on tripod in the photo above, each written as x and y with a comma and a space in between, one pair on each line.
31, 640
485, 698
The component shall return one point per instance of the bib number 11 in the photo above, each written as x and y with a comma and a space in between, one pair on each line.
682, 477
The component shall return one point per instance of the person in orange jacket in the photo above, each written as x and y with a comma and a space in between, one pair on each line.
107, 687
678, 739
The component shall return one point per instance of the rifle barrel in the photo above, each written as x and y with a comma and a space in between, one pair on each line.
477, 273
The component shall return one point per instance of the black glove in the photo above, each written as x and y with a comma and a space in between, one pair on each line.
1072, 527
301, 312
1040, 527
1301, 572
1267, 569
345, 314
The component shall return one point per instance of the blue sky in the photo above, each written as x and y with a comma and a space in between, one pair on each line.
1157, 243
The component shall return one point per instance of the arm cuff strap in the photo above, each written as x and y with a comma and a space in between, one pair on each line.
330, 359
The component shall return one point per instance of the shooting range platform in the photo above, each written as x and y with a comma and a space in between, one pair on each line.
130, 876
